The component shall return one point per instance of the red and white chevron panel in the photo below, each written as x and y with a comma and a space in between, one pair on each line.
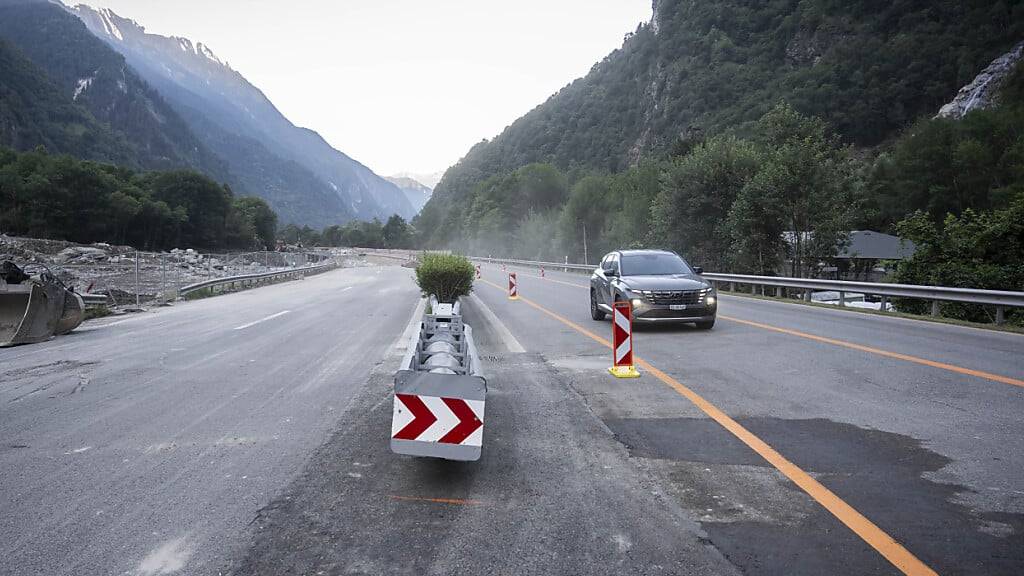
622, 342
513, 286
441, 420
622, 334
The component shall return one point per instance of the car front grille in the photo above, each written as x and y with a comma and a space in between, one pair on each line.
670, 297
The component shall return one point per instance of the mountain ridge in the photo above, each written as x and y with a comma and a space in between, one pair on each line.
697, 69
192, 76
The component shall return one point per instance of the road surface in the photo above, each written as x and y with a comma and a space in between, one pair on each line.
247, 434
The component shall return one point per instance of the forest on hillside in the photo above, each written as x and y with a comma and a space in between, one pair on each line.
60, 197
720, 126
953, 187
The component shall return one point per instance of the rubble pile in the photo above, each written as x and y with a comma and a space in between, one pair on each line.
111, 270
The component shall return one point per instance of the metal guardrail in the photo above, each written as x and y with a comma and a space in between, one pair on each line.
1000, 299
95, 300
255, 279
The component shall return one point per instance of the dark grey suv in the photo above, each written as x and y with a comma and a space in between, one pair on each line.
661, 286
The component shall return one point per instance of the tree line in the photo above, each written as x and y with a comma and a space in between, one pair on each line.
396, 233
786, 193
60, 197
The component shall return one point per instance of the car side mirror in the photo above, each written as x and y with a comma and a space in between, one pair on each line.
698, 270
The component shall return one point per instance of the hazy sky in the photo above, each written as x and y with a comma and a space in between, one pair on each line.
400, 85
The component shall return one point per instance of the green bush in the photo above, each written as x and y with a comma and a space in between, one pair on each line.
446, 276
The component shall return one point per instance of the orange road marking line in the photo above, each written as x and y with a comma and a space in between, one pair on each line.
880, 352
870, 350
456, 501
884, 544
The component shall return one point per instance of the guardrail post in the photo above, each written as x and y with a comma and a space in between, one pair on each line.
936, 311
732, 286
137, 299
780, 292
882, 304
808, 295
1000, 317
842, 299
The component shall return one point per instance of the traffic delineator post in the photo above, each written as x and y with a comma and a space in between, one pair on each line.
542, 272
622, 342
513, 287
478, 275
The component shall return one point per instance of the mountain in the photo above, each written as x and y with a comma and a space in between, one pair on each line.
34, 112
982, 92
428, 180
280, 161
868, 68
417, 193
89, 101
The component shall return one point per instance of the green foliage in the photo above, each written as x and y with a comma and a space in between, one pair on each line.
803, 186
120, 118
34, 112
698, 190
866, 68
47, 196
972, 250
397, 233
257, 222
945, 166
447, 276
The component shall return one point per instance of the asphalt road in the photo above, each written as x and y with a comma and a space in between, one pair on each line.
247, 434
147, 445
931, 455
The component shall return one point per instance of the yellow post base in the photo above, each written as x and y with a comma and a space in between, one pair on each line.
624, 371
513, 297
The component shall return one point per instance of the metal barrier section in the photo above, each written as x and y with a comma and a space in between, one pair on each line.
440, 391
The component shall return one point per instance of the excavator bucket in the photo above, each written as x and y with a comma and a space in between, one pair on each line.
35, 309
73, 314
29, 313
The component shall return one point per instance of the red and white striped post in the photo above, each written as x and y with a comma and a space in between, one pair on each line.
622, 342
513, 288
478, 276
542, 272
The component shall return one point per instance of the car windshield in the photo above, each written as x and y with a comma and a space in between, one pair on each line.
653, 264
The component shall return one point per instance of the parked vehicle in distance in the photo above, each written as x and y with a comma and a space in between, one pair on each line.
660, 285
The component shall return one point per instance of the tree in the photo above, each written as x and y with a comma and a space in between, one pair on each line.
697, 191
799, 204
972, 250
396, 233
260, 219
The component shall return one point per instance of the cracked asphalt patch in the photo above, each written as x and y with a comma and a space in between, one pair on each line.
754, 515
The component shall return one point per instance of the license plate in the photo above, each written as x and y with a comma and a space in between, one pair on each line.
677, 307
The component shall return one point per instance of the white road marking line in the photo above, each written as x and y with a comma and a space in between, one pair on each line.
271, 317
414, 323
78, 451
506, 336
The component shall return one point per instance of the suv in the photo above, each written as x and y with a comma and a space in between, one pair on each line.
659, 284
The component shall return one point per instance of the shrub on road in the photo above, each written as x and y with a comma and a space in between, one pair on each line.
447, 276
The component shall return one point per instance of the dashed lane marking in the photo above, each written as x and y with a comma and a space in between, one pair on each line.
455, 501
262, 320
870, 533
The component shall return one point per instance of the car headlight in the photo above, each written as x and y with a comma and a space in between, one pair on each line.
636, 302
